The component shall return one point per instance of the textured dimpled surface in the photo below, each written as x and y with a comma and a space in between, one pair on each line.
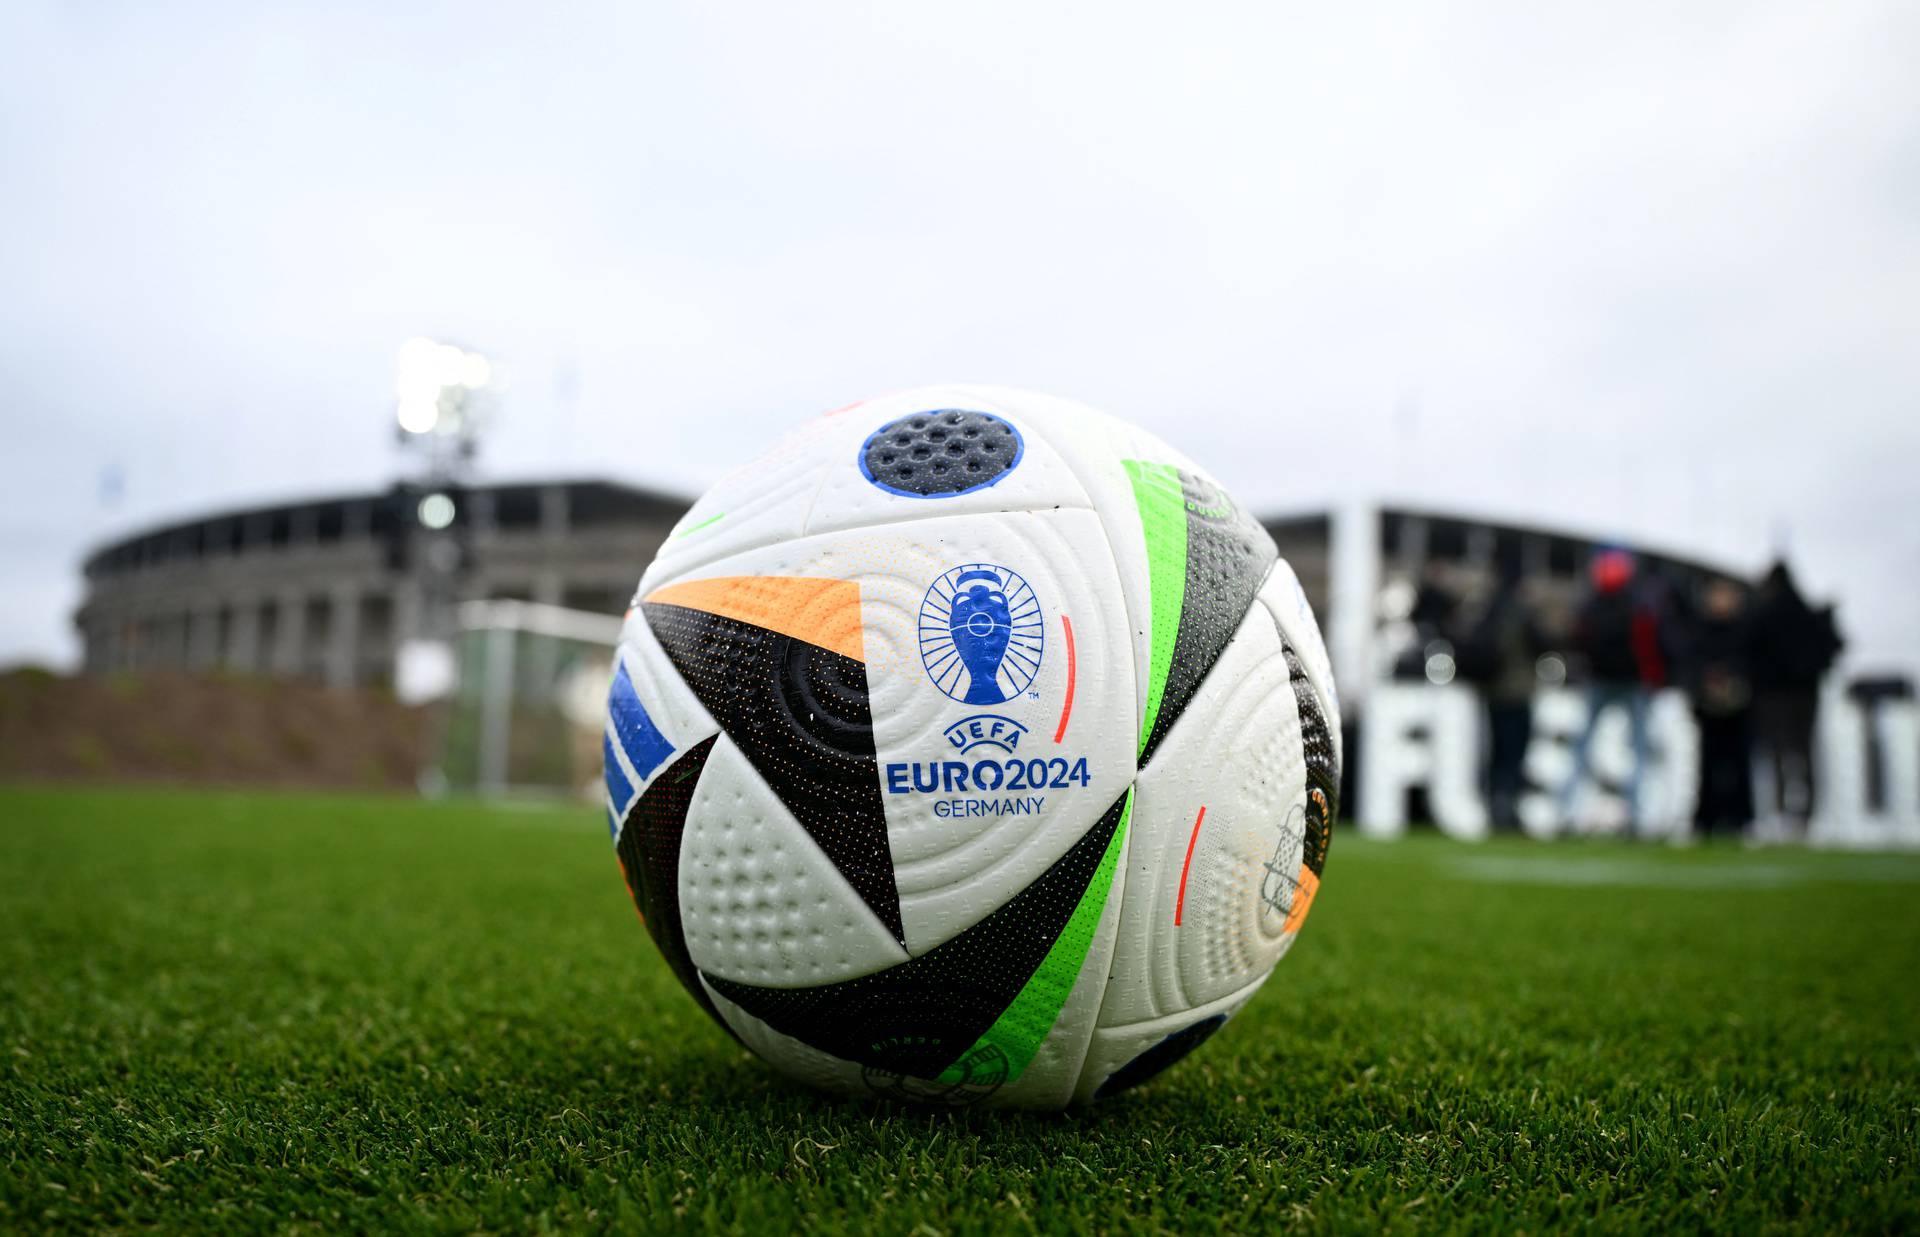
948, 451
758, 901
919, 1017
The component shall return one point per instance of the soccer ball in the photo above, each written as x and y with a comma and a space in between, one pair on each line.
971, 747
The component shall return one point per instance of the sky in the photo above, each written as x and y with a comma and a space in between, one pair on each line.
1641, 270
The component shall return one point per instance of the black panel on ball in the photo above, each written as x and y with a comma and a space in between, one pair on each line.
1161, 1057
650, 859
800, 715
1323, 766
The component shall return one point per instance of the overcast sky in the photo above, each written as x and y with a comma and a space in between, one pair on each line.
1643, 270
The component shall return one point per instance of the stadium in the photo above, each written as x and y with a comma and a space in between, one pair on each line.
324, 590
317, 589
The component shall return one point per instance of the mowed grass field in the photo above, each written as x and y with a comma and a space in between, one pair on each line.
326, 1013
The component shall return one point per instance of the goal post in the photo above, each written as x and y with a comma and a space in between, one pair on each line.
529, 701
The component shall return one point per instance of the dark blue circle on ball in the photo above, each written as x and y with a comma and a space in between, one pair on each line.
942, 453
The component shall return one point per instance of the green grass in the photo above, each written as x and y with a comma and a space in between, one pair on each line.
254, 1011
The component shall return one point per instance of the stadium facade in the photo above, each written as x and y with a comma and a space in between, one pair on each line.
323, 590
320, 589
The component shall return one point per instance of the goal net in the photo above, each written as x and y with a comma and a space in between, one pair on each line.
529, 699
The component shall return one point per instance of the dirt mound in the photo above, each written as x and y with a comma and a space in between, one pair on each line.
171, 727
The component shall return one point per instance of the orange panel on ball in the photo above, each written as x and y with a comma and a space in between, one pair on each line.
824, 613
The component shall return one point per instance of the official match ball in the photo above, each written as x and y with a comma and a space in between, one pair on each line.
971, 746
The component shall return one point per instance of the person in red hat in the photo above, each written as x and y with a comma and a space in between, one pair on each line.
1619, 634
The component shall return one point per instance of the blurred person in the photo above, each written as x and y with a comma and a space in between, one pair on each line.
1497, 655
1719, 680
1618, 629
1435, 607
1435, 603
1793, 647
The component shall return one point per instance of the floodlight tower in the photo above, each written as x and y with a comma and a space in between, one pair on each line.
443, 401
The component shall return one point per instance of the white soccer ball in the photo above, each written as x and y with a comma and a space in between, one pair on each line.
971, 746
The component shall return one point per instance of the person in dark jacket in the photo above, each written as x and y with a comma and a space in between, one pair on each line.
1497, 655
1794, 645
1618, 630
1720, 688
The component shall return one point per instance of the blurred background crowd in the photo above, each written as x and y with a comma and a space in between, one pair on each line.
1750, 655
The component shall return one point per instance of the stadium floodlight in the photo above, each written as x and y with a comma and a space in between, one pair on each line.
474, 370
431, 383
436, 511
419, 416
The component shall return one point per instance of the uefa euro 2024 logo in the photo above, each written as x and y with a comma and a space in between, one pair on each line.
981, 634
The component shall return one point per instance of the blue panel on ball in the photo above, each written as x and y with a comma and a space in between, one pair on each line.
645, 746
619, 789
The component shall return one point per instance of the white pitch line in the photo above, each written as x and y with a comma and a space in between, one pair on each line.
1518, 870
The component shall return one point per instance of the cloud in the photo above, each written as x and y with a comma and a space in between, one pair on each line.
1643, 271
